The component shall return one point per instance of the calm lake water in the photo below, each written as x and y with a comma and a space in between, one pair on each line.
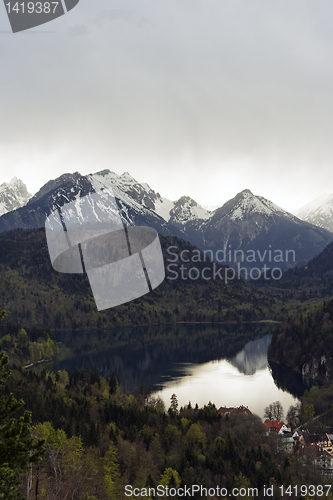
224, 364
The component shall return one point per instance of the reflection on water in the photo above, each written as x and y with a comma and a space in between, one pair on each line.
253, 357
287, 379
224, 385
225, 364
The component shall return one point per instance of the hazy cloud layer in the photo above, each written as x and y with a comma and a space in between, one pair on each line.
203, 98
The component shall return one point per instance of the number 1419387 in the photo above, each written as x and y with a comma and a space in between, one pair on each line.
31, 7
319, 490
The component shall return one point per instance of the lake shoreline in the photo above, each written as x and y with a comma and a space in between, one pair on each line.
261, 321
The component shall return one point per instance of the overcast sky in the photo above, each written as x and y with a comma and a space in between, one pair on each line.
196, 97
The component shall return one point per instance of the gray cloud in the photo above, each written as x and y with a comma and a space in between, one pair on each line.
196, 97
78, 30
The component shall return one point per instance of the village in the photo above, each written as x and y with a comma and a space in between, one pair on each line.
314, 447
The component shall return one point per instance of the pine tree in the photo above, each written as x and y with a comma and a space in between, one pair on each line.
173, 410
18, 448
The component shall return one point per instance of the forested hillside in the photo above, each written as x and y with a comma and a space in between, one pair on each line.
99, 439
312, 280
34, 294
305, 343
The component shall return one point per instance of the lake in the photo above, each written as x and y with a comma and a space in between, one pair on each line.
224, 364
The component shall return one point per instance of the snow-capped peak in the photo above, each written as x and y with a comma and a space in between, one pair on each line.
186, 209
125, 188
319, 211
15, 181
246, 203
13, 195
319, 204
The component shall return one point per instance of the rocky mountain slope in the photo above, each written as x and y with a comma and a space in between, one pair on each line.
262, 232
136, 202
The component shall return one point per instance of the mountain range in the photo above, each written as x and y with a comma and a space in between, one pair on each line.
263, 233
260, 231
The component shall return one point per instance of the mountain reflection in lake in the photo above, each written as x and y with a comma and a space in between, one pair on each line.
224, 364
253, 357
242, 380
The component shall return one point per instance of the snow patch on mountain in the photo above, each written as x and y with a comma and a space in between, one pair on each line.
140, 195
13, 195
163, 207
186, 209
313, 205
319, 211
125, 188
246, 203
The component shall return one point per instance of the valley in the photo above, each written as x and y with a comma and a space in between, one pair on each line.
199, 340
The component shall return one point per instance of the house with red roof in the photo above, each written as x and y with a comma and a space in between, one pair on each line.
277, 426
